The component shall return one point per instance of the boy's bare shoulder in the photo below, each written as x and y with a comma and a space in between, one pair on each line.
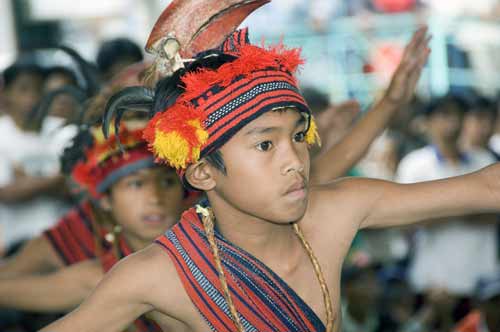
346, 195
160, 285
151, 264
336, 210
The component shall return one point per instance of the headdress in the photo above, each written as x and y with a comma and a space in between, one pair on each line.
97, 162
217, 103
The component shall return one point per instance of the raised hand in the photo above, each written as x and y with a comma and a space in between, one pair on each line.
405, 78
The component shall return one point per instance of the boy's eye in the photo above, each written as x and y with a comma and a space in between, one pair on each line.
167, 182
135, 183
264, 146
299, 137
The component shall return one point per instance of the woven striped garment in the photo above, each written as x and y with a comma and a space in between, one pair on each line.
263, 300
72, 237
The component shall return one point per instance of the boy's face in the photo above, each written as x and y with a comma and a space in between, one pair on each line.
63, 106
267, 165
478, 128
446, 123
23, 93
147, 202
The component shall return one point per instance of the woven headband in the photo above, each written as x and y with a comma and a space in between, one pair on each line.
105, 162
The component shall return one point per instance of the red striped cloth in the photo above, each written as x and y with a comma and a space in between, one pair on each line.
73, 236
263, 300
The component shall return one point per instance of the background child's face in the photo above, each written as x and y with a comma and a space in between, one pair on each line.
23, 93
478, 128
267, 165
446, 123
63, 106
147, 202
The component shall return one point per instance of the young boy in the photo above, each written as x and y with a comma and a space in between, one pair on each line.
142, 199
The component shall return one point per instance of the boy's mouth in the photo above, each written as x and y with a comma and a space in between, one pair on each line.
155, 219
297, 190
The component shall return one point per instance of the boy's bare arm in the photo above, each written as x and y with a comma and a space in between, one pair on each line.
37, 256
345, 154
133, 287
55, 292
381, 203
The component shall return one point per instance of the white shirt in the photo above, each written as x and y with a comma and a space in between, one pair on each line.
451, 255
37, 155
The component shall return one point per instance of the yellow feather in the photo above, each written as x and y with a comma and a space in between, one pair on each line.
171, 147
312, 136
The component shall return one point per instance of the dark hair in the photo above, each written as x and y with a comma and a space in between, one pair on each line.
439, 104
10, 74
169, 89
75, 152
165, 95
61, 70
113, 50
482, 104
317, 100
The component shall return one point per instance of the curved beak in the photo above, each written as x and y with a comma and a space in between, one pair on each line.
188, 27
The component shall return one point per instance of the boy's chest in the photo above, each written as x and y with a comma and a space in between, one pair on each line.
302, 280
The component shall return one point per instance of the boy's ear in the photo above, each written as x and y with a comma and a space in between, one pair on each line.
201, 175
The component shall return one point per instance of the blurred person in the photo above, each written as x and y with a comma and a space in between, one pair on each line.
29, 180
486, 317
397, 302
400, 308
461, 247
361, 294
479, 126
140, 201
408, 127
63, 107
78, 235
382, 158
495, 138
57, 119
22, 89
116, 54
58, 76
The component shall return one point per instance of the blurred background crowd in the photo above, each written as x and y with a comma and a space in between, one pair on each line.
420, 279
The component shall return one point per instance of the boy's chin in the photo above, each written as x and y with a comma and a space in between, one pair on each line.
289, 216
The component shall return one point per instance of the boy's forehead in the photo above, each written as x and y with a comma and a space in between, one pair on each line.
155, 169
282, 118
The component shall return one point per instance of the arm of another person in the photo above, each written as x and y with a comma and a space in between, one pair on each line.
28, 187
133, 287
384, 203
335, 162
36, 256
55, 292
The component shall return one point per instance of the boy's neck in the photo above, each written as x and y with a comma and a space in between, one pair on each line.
135, 243
449, 151
18, 120
270, 242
